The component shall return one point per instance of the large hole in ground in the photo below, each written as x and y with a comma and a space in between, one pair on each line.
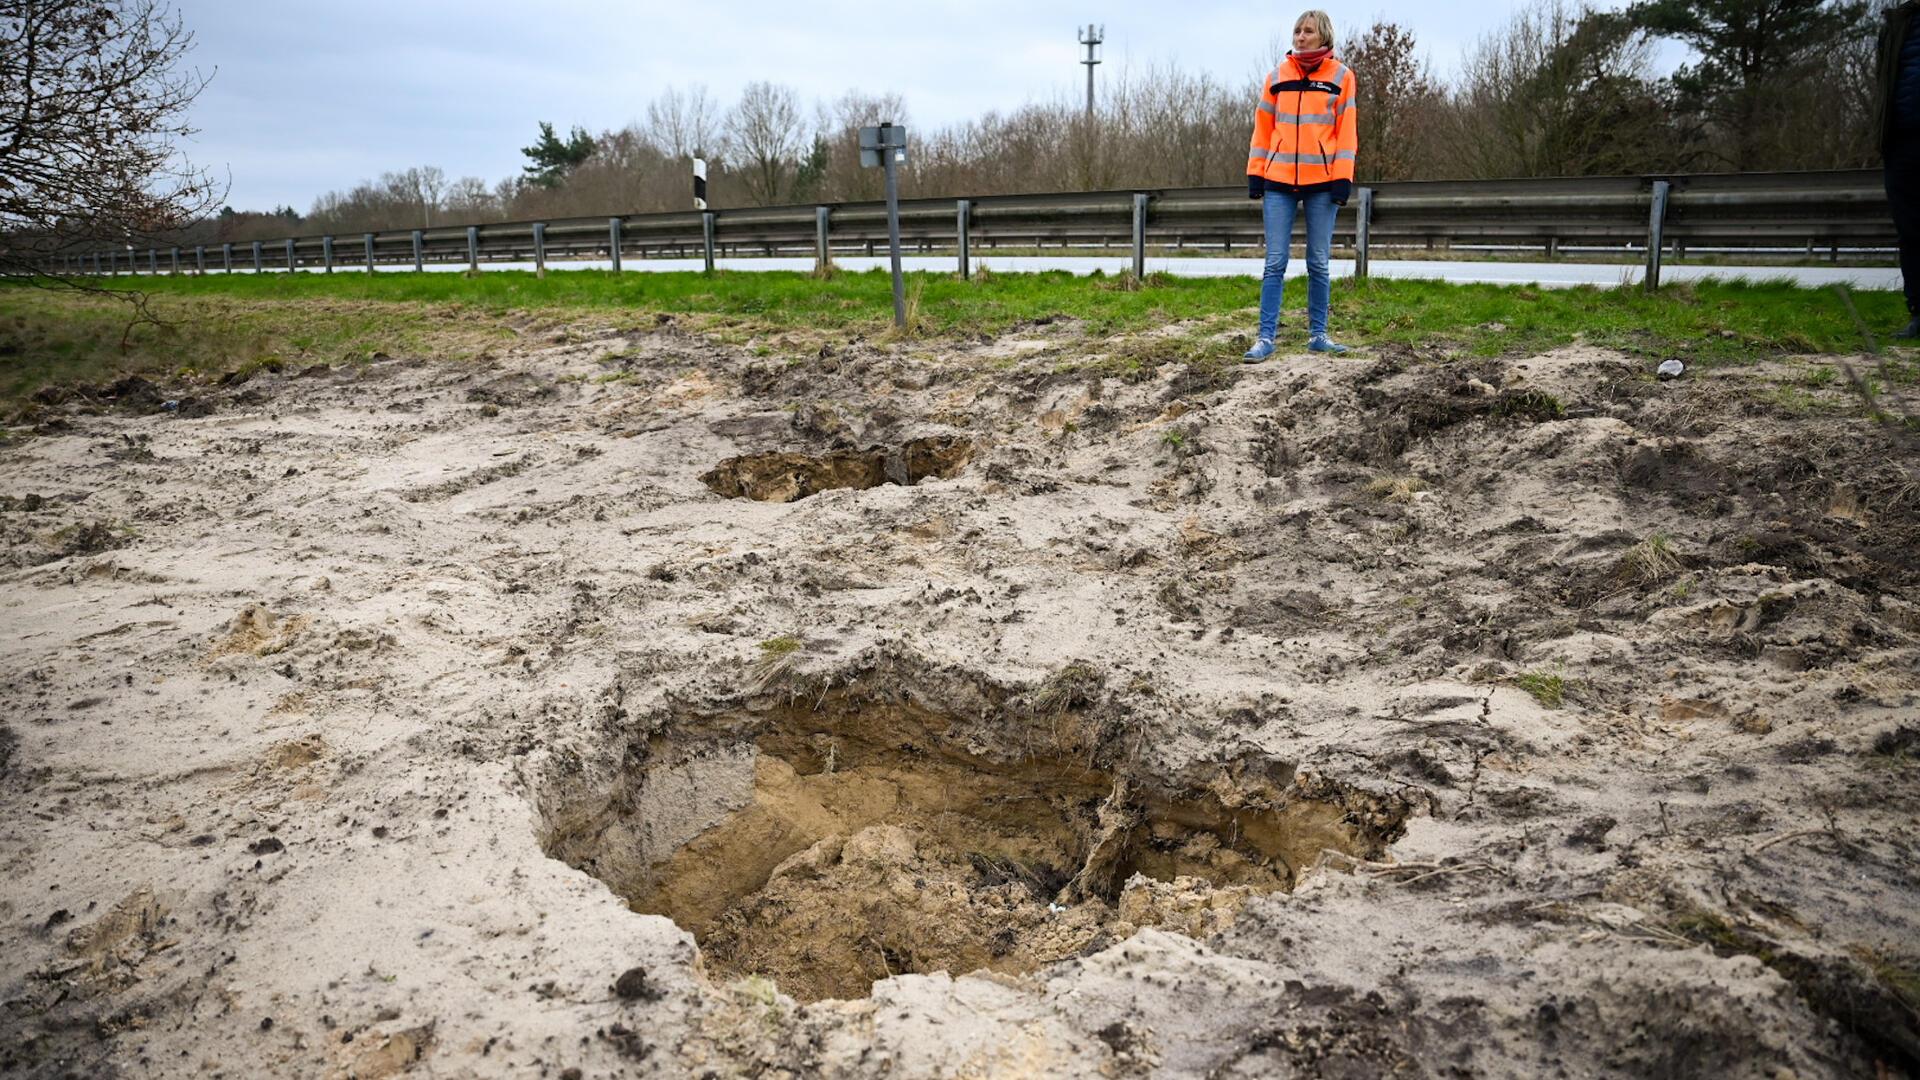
780, 476
829, 849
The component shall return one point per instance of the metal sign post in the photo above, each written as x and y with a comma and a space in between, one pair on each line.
886, 146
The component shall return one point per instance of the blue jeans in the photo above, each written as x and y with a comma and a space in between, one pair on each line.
1278, 210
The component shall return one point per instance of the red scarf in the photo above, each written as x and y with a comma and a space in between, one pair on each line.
1311, 58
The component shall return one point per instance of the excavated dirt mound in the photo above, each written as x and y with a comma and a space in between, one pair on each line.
1383, 715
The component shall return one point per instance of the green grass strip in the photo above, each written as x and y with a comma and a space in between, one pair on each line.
220, 322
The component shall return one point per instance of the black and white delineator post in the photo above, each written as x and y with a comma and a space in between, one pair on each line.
886, 146
699, 184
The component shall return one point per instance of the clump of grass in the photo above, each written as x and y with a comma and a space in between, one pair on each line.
1530, 404
1791, 400
1900, 746
1648, 562
1072, 687
915, 325
1816, 377
1714, 930
1396, 489
1901, 978
777, 656
784, 645
1138, 358
1549, 690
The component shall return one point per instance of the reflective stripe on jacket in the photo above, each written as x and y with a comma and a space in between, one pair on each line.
1305, 131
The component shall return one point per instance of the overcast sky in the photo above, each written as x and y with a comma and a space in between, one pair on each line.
310, 97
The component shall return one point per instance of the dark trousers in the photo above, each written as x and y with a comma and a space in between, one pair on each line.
1903, 198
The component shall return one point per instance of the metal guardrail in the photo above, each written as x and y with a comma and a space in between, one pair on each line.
1831, 210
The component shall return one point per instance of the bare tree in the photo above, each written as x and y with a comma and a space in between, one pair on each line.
844, 180
683, 125
433, 188
766, 137
91, 105
1558, 91
1397, 101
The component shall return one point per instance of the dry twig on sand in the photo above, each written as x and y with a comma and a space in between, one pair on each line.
1394, 872
1798, 834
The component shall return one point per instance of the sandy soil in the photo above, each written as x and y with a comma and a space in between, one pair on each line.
1324, 718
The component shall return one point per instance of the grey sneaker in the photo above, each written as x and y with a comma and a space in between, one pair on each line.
1323, 343
1911, 331
1260, 351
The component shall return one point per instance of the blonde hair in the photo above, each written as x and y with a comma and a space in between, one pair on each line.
1321, 22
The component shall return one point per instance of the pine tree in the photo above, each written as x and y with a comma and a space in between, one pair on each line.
1755, 57
553, 158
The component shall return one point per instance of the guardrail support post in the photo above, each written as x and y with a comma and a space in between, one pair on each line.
473, 249
1656, 225
199, 258
369, 242
259, 262
822, 256
153, 261
540, 248
226, 257
293, 261
96, 264
613, 242
1139, 236
706, 237
1362, 231
175, 267
963, 237
326, 253
419, 259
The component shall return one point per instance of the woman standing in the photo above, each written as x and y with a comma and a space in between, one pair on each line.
1304, 142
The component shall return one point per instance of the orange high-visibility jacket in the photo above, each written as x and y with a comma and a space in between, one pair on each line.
1305, 131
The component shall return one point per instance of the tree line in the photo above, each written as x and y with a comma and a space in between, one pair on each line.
1562, 89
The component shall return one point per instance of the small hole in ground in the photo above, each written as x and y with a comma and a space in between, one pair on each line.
784, 477
828, 849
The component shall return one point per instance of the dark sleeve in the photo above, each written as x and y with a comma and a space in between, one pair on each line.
1342, 191
1256, 186
1907, 78
1883, 79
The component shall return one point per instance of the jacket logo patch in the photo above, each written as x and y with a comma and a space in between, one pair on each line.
1305, 84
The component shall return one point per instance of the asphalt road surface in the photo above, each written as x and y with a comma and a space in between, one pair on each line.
1551, 275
